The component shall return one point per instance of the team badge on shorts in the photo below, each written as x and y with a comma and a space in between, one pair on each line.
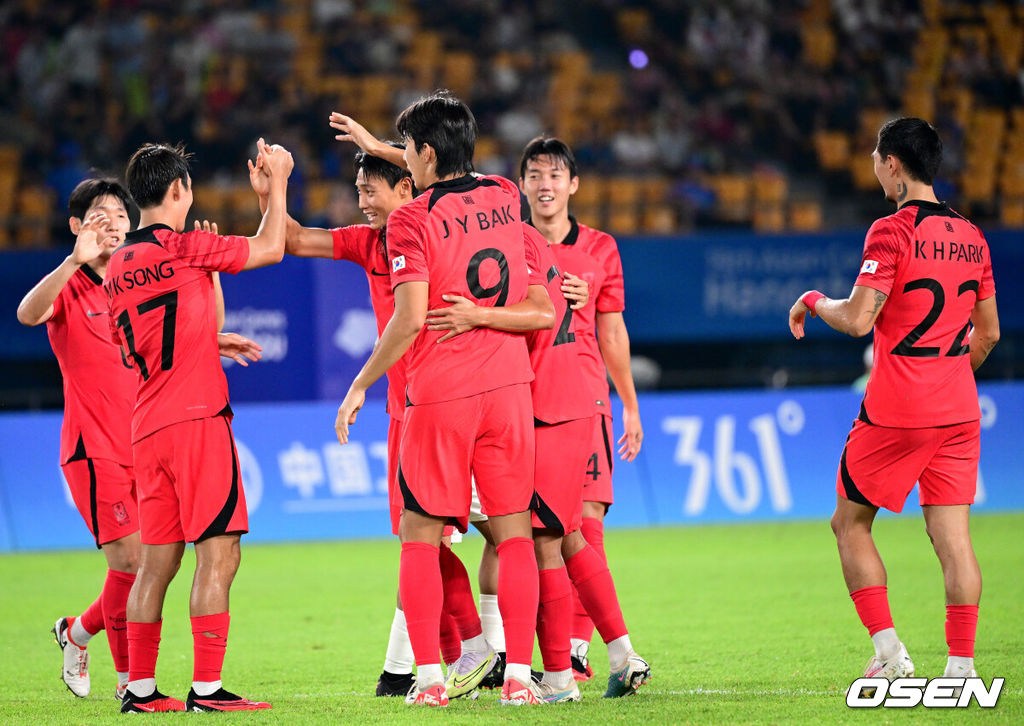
120, 513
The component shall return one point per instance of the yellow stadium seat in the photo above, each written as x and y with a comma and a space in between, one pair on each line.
769, 218
770, 188
805, 216
833, 149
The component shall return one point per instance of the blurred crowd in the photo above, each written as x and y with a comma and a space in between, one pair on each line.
691, 94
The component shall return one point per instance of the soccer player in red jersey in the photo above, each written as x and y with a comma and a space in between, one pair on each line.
99, 393
925, 287
548, 177
160, 296
468, 409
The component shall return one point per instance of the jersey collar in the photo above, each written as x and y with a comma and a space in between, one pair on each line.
90, 273
574, 232
464, 183
142, 234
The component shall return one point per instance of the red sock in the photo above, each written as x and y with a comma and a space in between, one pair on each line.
209, 643
91, 619
872, 605
143, 647
553, 619
594, 584
518, 593
458, 595
419, 586
593, 533
115, 601
961, 626
451, 643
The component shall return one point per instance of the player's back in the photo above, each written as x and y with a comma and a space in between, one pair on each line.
463, 237
559, 392
162, 309
934, 265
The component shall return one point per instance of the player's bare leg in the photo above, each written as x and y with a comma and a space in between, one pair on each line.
949, 530
554, 618
217, 560
158, 566
518, 593
593, 582
422, 593
865, 578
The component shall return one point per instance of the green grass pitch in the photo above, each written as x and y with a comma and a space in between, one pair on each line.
741, 624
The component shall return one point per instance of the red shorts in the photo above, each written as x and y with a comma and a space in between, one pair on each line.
880, 465
394, 493
189, 484
597, 479
445, 445
558, 498
104, 492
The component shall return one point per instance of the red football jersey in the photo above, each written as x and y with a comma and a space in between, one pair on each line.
462, 236
933, 264
559, 392
162, 311
99, 387
594, 256
363, 245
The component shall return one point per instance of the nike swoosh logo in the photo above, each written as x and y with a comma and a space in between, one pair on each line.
475, 673
91, 314
380, 274
144, 707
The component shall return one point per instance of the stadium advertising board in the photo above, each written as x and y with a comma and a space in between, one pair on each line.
707, 457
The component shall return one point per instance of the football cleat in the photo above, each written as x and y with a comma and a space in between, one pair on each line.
625, 681
496, 678
221, 700
435, 696
75, 672
550, 694
514, 693
467, 672
581, 670
897, 666
394, 684
119, 690
156, 702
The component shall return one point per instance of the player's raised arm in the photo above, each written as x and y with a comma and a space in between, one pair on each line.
985, 334
613, 340
299, 241
352, 130
854, 316
267, 247
37, 305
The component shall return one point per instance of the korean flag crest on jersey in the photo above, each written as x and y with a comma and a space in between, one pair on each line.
398, 263
870, 267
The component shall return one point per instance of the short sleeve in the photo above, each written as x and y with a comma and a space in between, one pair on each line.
881, 253
207, 251
532, 240
988, 284
60, 305
407, 243
355, 243
611, 298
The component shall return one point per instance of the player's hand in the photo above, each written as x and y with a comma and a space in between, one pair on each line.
87, 245
459, 318
354, 400
238, 348
258, 177
352, 130
206, 226
633, 437
277, 160
797, 316
576, 290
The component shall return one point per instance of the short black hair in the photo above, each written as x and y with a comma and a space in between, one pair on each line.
151, 171
373, 167
88, 191
916, 143
447, 124
548, 146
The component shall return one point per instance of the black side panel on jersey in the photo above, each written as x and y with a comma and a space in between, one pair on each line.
92, 503
458, 185
863, 415
220, 523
